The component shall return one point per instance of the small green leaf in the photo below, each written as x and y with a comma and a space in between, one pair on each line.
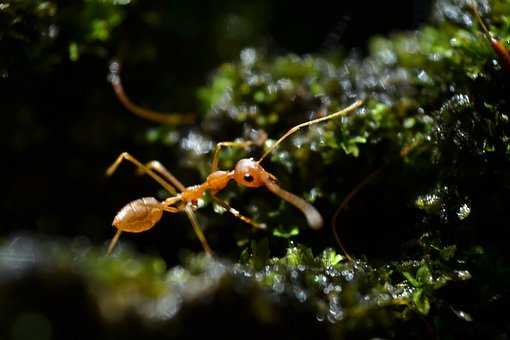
351, 150
245, 256
299, 256
411, 279
330, 258
74, 52
293, 257
358, 140
260, 253
285, 232
259, 97
424, 276
447, 253
351, 147
99, 30
421, 301
409, 122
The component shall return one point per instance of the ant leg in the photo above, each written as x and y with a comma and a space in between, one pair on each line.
198, 231
216, 157
163, 171
237, 213
191, 215
126, 156
214, 167
113, 242
160, 168
165, 118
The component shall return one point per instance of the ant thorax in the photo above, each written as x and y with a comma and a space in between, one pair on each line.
193, 192
218, 180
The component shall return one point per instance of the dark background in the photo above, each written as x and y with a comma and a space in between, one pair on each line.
62, 126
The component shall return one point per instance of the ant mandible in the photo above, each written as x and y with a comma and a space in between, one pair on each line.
142, 214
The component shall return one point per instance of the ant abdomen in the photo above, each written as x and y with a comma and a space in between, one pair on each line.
139, 215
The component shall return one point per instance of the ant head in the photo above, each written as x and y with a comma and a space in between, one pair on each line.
250, 173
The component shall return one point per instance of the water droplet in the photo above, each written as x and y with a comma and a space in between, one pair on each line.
348, 275
165, 308
335, 312
321, 279
219, 209
278, 287
424, 77
300, 295
196, 143
285, 84
53, 31
248, 56
463, 211
462, 315
463, 274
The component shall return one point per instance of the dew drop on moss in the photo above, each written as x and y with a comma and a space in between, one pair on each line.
464, 211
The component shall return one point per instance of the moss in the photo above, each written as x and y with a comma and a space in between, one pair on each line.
436, 110
341, 294
39, 32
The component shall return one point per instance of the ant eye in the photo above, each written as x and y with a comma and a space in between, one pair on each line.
249, 173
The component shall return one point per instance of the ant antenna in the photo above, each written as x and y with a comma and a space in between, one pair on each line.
348, 109
158, 117
497, 45
346, 201
475, 10
403, 153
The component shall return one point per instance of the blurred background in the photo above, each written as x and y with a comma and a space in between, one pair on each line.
440, 259
62, 125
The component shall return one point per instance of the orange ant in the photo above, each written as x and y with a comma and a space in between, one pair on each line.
142, 214
497, 45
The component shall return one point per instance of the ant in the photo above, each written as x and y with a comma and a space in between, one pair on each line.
142, 214
497, 45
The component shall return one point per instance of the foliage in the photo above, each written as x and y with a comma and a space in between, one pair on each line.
427, 233
342, 295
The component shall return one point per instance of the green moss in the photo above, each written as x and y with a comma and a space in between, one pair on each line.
436, 106
342, 293
33, 31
